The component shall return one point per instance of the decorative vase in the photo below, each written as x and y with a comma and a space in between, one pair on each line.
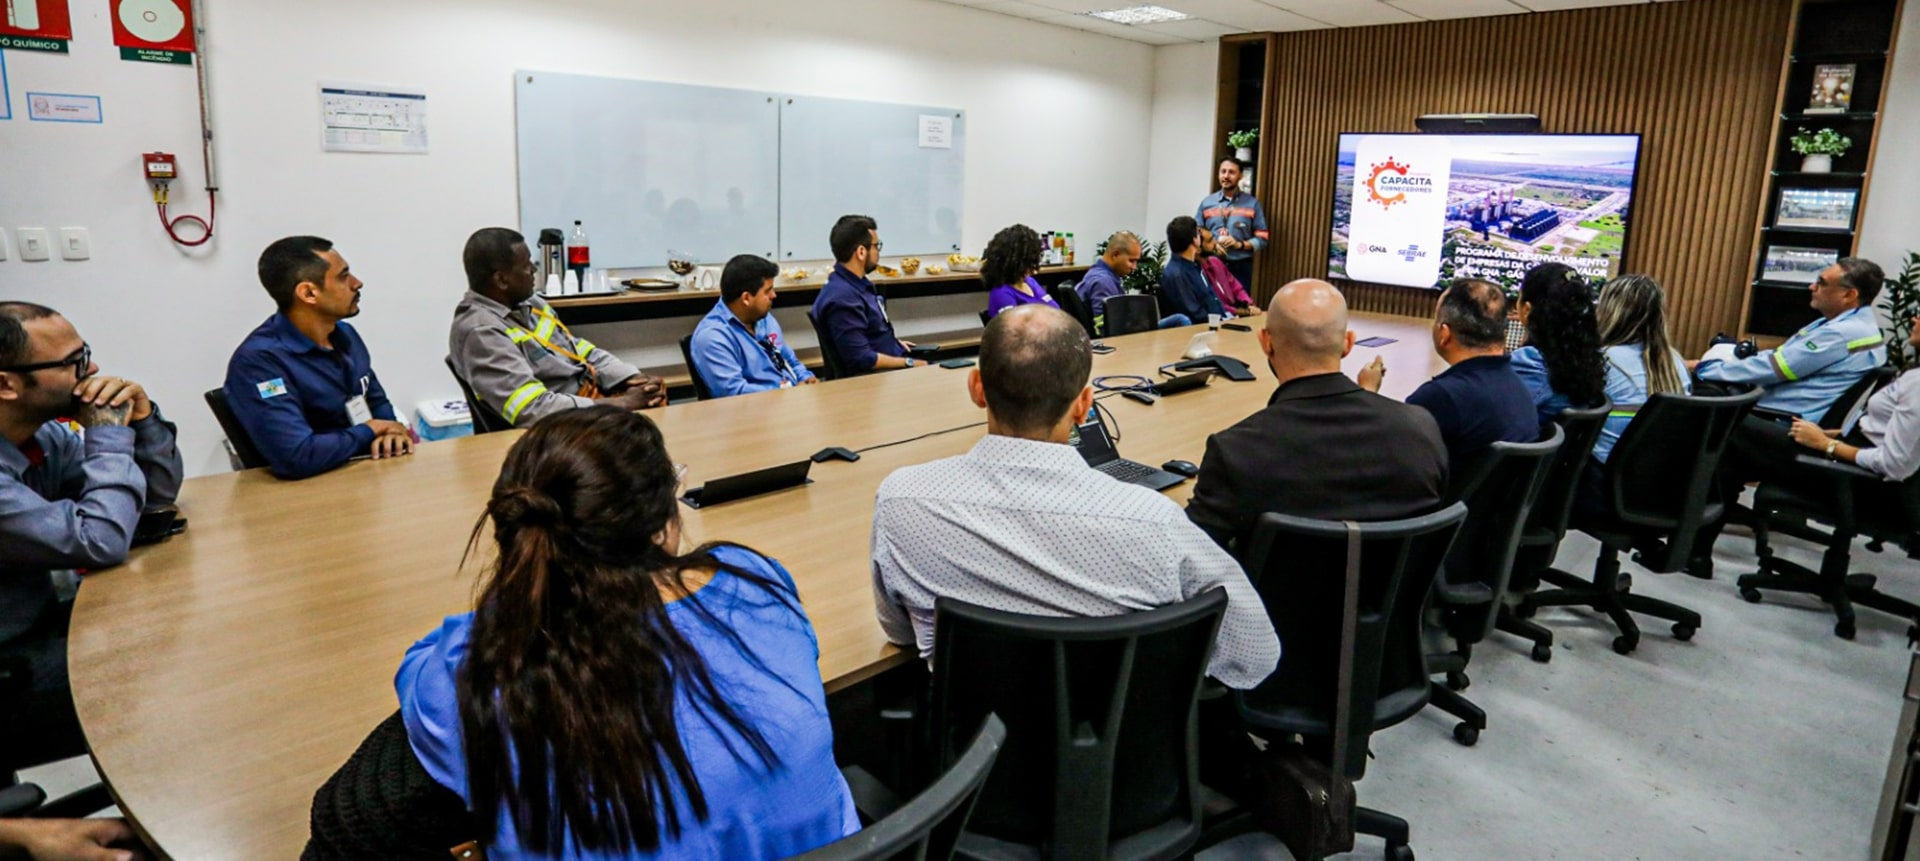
1243, 153
1817, 164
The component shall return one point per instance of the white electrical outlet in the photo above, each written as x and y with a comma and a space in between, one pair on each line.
74, 244
33, 243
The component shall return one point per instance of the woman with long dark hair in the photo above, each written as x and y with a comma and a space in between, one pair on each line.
612, 697
1561, 362
1007, 268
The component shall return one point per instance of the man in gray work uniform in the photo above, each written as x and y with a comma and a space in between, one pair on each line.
517, 356
68, 500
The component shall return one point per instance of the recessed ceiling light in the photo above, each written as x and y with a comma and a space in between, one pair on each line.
1141, 15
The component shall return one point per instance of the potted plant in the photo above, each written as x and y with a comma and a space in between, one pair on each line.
1819, 148
1902, 293
1242, 143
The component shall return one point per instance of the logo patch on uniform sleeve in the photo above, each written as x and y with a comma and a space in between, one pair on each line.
272, 388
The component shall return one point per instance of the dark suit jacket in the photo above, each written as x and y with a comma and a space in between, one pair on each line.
1323, 448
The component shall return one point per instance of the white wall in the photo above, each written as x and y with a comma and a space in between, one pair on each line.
1181, 162
1055, 136
1890, 226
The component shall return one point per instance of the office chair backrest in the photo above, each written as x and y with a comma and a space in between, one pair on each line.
928, 827
1853, 401
1660, 476
834, 367
1299, 566
985, 317
1499, 494
243, 447
1069, 301
1547, 522
485, 420
1101, 721
700, 390
1132, 312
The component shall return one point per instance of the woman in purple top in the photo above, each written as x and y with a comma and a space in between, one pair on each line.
1007, 269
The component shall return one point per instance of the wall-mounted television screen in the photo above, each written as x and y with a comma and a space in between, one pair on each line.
1419, 210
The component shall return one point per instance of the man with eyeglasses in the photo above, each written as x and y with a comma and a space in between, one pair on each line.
68, 500
738, 347
302, 383
515, 354
849, 311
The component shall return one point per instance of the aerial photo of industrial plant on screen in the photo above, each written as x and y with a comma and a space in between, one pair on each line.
1421, 210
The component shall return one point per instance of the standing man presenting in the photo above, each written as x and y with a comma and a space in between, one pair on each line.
1236, 221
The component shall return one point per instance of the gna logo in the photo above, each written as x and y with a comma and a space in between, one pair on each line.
1391, 182
1357, 249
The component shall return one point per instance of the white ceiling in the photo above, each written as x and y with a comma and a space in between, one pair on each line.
1215, 18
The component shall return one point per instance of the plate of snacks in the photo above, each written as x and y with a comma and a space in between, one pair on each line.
936, 269
909, 265
963, 263
796, 274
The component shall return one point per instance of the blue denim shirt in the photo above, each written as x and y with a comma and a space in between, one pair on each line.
734, 361
291, 396
74, 503
855, 320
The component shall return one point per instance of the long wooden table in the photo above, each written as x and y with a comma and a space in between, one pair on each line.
223, 675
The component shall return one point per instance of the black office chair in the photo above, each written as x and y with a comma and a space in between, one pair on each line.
928, 828
834, 367
1547, 522
700, 390
1299, 567
485, 420
1854, 502
23, 745
1499, 491
1102, 726
244, 452
1069, 301
1132, 312
1660, 491
985, 317
29, 801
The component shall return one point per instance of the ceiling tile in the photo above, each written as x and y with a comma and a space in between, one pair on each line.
1091, 24
1075, 7
1439, 9
1346, 13
1018, 9
1195, 28
1251, 16
1558, 5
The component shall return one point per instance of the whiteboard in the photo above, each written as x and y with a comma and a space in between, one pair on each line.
649, 167
839, 156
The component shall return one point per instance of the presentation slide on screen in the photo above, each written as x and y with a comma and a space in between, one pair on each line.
1421, 210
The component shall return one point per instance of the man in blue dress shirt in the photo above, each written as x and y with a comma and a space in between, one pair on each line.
68, 500
302, 383
738, 347
1183, 287
848, 310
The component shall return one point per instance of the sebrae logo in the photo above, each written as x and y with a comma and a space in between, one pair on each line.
1391, 182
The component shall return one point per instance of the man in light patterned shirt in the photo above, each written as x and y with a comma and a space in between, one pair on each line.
1022, 524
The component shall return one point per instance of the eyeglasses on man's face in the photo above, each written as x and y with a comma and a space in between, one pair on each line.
80, 360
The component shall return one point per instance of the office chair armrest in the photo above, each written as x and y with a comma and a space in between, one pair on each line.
77, 804
1839, 470
20, 799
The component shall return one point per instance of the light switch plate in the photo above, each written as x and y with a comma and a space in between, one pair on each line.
74, 244
33, 243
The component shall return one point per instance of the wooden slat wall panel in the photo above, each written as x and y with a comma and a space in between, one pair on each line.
1698, 79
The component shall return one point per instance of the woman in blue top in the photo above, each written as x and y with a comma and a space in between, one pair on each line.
612, 697
1560, 363
1007, 268
1641, 362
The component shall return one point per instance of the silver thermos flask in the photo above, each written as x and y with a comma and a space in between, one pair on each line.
552, 259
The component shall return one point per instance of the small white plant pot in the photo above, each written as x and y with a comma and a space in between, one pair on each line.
1816, 164
1244, 153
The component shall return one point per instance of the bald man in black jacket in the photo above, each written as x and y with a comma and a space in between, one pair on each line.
1324, 447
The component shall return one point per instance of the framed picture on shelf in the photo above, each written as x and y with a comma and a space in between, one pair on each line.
1786, 264
1816, 208
1832, 89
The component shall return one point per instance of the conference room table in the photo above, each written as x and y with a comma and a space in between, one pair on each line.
223, 675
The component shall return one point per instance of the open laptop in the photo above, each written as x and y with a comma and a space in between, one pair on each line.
1098, 451
732, 487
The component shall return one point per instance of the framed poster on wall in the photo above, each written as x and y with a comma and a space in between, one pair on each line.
1816, 208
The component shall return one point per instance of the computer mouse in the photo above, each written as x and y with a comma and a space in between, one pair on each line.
1181, 467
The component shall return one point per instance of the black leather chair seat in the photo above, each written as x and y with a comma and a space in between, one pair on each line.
1464, 593
1305, 720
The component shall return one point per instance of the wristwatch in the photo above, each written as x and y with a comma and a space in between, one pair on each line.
910, 363
1831, 445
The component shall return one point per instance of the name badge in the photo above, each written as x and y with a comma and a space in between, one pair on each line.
357, 411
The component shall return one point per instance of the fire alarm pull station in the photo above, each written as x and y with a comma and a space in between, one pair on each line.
160, 166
